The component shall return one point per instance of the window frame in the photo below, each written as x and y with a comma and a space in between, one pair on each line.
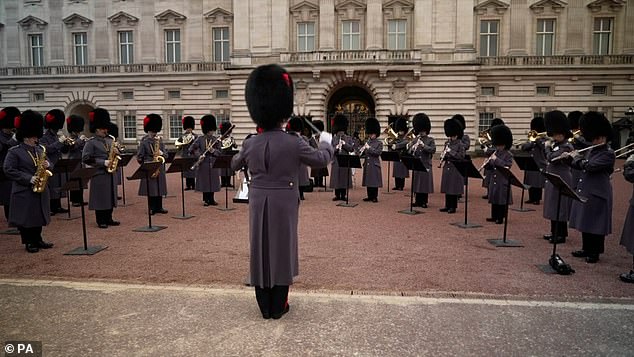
482, 111
129, 46
397, 34
351, 34
302, 37
488, 35
131, 114
543, 33
81, 47
224, 42
177, 125
173, 42
32, 48
597, 34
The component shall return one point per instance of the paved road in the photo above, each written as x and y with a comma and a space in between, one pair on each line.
105, 319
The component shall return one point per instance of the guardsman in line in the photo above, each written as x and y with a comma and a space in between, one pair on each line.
372, 178
25, 165
400, 172
466, 140
578, 141
295, 126
557, 128
7, 141
319, 174
207, 178
344, 144
499, 196
488, 151
55, 145
452, 182
274, 158
534, 179
594, 217
75, 127
184, 142
226, 174
627, 237
113, 131
152, 149
423, 147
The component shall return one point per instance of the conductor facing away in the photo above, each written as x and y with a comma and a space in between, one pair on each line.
274, 160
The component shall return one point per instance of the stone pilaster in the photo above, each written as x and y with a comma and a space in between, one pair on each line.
151, 49
194, 32
327, 25
576, 27
464, 26
12, 35
628, 39
241, 31
100, 28
261, 25
518, 15
423, 24
56, 32
374, 25
444, 13
280, 34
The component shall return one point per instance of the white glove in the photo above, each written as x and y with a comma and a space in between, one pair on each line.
325, 137
106, 163
33, 179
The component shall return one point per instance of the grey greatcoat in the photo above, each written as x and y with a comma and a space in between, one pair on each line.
103, 185
487, 171
578, 143
54, 150
157, 186
627, 237
400, 170
594, 216
6, 142
273, 158
185, 153
304, 179
372, 165
551, 194
424, 181
317, 171
338, 177
75, 152
28, 208
207, 178
498, 187
537, 151
452, 182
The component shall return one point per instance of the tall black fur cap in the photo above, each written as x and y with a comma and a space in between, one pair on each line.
319, 124
114, 130
537, 124
453, 128
557, 123
54, 119
7, 117
189, 122
372, 126
501, 135
495, 122
98, 118
224, 127
594, 125
573, 119
401, 124
295, 124
208, 123
460, 119
74, 124
339, 123
421, 122
152, 122
269, 95
29, 124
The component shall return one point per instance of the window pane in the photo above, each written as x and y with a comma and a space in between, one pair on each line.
391, 42
355, 42
310, 44
494, 26
310, 28
355, 26
177, 35
493, 50
391, 26
483, 46
177, 51
548, 45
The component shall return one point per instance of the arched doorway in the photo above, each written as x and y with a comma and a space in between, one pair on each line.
81, 108
355, 103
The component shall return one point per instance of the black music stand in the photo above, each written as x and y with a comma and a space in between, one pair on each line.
512, 180
563, 190
181, 165
467, 170
525, 163
413, 164
168, 160
76, 181
145, 171
65, 167
223, 161
350, 162
390, 156
125, 160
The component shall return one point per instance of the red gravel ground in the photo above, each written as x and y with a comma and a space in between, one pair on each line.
370, 248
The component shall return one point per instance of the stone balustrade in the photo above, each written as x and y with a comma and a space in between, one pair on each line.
112, 69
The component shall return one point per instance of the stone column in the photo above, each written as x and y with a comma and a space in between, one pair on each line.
577, 11
445, 21
374, 25
518, 15
327, 25
423, 24
280, 33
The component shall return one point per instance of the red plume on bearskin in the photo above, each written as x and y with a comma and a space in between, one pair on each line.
16, 122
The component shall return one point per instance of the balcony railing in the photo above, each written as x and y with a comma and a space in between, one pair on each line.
556, 60
113, 69
351, 56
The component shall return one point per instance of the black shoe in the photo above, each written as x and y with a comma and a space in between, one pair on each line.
592, 258
206, 204
102, 225
61, 210
444, 209
188, 188
119, 198
451, 210
490, 219
114, 223
548, 236
499, 221
32, 248
537, 203
375, 200
212, 203
395, 189
44, 245
277, 316
266, 315
628, 278
76, 204
367, 199
335, 198
160, 211
486, 197
580, 254
558, 240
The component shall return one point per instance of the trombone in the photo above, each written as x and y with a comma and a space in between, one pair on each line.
532, 136
626, 150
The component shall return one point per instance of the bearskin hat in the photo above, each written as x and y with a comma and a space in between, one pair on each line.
400, 124
208, 123
7, 117
54, 119
188, 122
453, 128
573, 119
501, 135
98, 118
372, 126
319, 125
74, 124
594, 125
461, 120
224, 127
339, 123
152, 122
421, 122
114, 130
537, 124
29, 124
495, 122
269, 95
557, 123
295, 124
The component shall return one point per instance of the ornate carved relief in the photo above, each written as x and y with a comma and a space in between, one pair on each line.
30, 20
305, 11
499, 7
77, 21
123, 18
554, 5
606, 5
219, 16
350, 9
397, 8
170, 17
302, 93
399, 92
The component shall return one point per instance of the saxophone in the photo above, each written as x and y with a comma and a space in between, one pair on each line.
156, 151
113, 156
41, 173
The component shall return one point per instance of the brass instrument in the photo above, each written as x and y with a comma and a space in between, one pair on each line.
186, 140
443, 154
227, 143
412, 148
390, 136
534, 135
66, 140
156, 151
410, 135
625, 150
566, 155
363, 149
486, 162
113, 156
41, 173
484, 139
575, 136
202, 156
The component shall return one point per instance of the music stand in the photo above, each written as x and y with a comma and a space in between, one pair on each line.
563, 190
512, 180
350, 162
125, 160
66, 166
525, 163
467, 170
168, 160
145, 171
413, 164
224, 162
389, 156
181, 165
76, 181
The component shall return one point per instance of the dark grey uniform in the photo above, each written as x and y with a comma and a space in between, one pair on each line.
75, 152
400, 170
424, 181
274, 202
185, 153
452, 182
537, 152
578, 144
157, 186
103, 188
466, 142
6, 142
487, 171
627, 237
372, 165
338, 177
551, 194
207, 178
498, 187
54, 150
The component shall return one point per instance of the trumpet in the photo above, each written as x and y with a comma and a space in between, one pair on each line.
66, 140
626, 150
532, 136
566, 155
484, 139
575, 136
443, 154
363, 149
186, 140
410, 135
202, 156
413, 147
340, 144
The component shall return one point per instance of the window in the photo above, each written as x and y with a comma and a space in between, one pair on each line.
350, 35
485, 120
545, 37
173, 94
129, 126
80, 40
37, 50
222, 116
396, 34
222, 93
600, 89
172, 46
221, 44
176, 125
487, 90
542, 90
126, 47
37, 96
306, 36
489, 38
126, 95
538, 113
602, 36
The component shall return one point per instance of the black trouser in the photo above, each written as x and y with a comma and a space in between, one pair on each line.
208, 197
319, 181
156, 203
593, 243
225, 181
422, 198
535, 194
56, 203
451, 201
190, 182
6, 211
76, 196
30, 235
104, 216
399, 182
272, 301
498, 211
373, 192
559, 228
340, 193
